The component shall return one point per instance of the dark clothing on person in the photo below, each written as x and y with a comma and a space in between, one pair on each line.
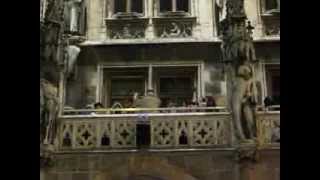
268, 101
211, 102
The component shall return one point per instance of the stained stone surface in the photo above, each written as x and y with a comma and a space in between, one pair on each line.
207, 165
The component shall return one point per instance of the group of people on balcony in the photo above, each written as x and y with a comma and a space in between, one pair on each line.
151, 101
190, 105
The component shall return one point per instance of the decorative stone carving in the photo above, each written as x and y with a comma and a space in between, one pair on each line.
174, 29
239, 53
189, 132
271, 25
269, 128
54, 11
247, 154
87, 134
272, 30
166, 132
48, 111
128, 30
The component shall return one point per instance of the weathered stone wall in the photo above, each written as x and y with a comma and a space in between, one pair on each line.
204, 11
202, 165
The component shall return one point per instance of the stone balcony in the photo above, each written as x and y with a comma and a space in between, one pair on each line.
167, 129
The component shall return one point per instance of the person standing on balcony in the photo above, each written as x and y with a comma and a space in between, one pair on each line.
211, 102
268, 101
97, 106
203, 104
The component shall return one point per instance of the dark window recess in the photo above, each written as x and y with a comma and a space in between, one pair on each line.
143, 135
183, 5
84, 26
273, 84
176, 90
136, 6
120, 6
175, 86
276, 89
165, 5
67, 16
66, 141
271, 4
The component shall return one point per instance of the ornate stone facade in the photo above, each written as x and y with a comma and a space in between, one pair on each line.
174, 28
126, 29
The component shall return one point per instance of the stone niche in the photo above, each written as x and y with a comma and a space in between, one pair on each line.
126, 28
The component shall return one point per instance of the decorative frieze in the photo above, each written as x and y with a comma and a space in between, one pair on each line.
174, 27
268, 128
126, 29
165, 132
271, 26
272, 30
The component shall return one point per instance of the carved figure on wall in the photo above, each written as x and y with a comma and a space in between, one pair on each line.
175, 30
48, 111
244, 98
235, 8
50, 43
127, 31
238, 50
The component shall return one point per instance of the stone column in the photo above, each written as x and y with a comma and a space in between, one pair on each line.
128, 7
174, 5
150, 77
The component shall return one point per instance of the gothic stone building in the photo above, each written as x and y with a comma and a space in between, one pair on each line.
174, 48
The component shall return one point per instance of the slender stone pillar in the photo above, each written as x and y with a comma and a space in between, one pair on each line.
150, 77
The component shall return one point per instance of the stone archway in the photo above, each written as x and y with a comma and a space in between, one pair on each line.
144, 168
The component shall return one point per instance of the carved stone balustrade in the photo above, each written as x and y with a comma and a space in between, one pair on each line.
174, 27
126, 28
119, 131
268, 123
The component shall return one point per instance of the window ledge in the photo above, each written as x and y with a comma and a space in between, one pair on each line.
174, 14
272, 12
169, 18
131, 15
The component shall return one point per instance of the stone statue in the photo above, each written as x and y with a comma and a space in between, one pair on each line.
238, 50
175, 31
244, 98
48, 111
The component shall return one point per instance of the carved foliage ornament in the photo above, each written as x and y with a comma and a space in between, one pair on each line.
127, 31
48, 111
174, 29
